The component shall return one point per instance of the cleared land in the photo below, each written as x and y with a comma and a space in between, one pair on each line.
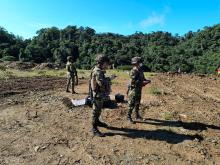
181, 126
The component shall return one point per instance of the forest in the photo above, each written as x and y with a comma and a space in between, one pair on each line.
197, 52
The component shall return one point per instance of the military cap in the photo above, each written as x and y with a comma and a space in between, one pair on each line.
135, 60
101, 58
69, 58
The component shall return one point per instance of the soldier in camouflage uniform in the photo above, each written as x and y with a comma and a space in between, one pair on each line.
72, 77
98, 87
137, 81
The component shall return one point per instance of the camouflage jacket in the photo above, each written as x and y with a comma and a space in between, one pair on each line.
98, 82
71, 69
136, 78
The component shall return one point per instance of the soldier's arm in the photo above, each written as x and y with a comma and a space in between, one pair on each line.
134, 77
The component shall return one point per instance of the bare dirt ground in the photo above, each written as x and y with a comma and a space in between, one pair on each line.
181, 126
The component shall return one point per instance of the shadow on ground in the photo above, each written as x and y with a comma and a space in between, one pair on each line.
186, 125
160, 134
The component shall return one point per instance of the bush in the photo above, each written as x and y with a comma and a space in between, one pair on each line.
9, 58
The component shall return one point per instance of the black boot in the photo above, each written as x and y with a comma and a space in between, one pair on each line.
130, 119
101, 124
96, 132
74, 92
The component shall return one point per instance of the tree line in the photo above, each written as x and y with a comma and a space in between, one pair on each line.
161, 51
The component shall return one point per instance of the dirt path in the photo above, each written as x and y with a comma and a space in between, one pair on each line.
181, 125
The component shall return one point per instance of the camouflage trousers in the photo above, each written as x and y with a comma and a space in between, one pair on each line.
97, 109
70, 81
134, 99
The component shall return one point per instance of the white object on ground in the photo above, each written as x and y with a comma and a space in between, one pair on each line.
77, 103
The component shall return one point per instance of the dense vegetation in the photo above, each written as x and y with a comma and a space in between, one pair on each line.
194, 52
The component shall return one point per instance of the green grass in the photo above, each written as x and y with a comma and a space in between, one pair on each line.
9, 73
155, 91
168, 116
149, 74
2, 68
6, 73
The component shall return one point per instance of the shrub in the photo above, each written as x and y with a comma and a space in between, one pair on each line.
9, 58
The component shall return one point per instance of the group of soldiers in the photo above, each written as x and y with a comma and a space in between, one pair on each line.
99, 81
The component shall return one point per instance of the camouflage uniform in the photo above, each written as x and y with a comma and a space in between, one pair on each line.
71, 74
134, 95
98, 85
99, 81
135, 89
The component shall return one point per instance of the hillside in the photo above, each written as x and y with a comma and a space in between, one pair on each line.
161, 51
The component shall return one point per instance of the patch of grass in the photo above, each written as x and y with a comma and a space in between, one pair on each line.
155, 91
6, 74
115, 82
217, 146
122, 76
149, 74
51, 73
3, 68
41, 72
62, 74
125, 67
168, 116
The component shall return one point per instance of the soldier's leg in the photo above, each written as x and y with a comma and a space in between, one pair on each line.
73, 84
131, 105
137, 106
68, 83
97, 107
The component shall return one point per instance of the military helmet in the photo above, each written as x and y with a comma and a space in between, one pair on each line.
69, 58
136, 60
101, 58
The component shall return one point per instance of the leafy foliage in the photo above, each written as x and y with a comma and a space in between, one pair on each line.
8, 58
161, 51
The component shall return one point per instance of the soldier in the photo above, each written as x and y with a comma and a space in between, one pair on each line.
137, 81
98, 86
72, 77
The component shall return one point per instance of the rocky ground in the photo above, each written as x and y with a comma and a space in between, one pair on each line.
181, 126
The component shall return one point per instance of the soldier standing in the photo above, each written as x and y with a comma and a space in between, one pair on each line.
98, 87
137, 81
72, 77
